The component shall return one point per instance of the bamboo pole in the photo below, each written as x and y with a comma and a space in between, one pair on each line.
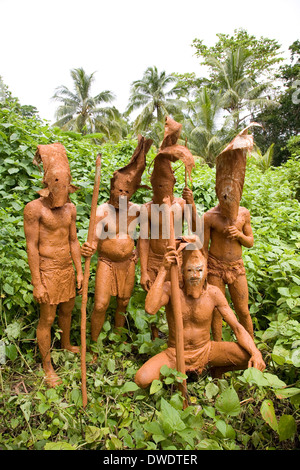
176, 307
86, 276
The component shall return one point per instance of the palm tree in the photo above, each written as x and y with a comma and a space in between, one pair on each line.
83, 113
153, 94
263, 161
204, 128
241, 93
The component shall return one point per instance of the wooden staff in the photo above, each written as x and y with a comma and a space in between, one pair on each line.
176, 307
86, 276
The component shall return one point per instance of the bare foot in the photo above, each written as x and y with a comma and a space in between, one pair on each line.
52, 380
73, 349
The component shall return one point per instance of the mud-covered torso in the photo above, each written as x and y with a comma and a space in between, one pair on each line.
54, 231
221, 245
159, 226
116, 232
197, 317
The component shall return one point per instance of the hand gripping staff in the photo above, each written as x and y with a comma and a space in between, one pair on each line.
86, 276
176, 307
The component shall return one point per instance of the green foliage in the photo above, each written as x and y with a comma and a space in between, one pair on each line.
154, 94
282, 123
83, 113
263, 53
249, 410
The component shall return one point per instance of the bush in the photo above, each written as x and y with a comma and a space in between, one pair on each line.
251, 410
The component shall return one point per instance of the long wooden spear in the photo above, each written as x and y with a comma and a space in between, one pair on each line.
177, 312
86, 276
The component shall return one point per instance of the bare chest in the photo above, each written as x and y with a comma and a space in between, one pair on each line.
195, 311
220, 224
53, 220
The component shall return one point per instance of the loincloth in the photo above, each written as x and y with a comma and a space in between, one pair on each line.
154, 263
227, 271
195, 359
119, 274
58, 278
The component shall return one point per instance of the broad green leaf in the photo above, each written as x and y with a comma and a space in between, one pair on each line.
284, 291
165, 370
296, 357
225, 429
228, 402
92, 434
273, 380
11, 351
43, 407
61, 445
111, 365
26, 408
189, 435
76, 397
155, 386
129, 387
268, 414
13, 330
211, 390
170, 418
209, 411
155, 428
169, 380
287, 427
8, 289
208, 444
287, 392
278, 359
114, 443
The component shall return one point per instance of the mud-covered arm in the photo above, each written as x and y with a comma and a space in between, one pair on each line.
206, 237
144, 247
75, 247
32, 230
245, 237
87, 249
159, 293
187, 195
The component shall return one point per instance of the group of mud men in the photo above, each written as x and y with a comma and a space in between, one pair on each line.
207, 260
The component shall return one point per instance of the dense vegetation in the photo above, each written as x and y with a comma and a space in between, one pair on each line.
244, 410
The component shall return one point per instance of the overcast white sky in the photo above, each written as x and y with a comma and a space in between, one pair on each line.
41, 41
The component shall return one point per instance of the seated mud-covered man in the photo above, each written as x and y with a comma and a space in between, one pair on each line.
198, 301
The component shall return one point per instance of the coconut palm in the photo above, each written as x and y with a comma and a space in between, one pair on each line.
83, 113
204, 128
263, 161
241, 93
153, 94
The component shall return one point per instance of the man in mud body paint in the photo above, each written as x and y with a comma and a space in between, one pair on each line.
52, 245
198, 301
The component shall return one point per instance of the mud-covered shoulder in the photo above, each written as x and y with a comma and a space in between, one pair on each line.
33, 208
215, 293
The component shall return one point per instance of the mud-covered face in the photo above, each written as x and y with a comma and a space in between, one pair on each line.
162, 188
120, 194
194, 272
58, 184
229, 199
